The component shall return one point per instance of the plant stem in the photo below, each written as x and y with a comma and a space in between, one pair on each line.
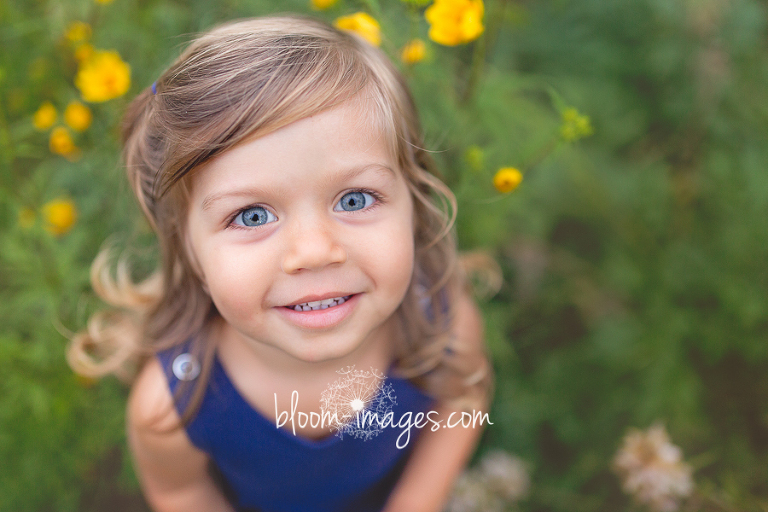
373, 7
541, 155
494, 24
475, 70
8, 155
482, 46
6, 144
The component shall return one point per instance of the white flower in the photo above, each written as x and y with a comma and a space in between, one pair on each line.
652, 469
499, 480
471, 494
506, 475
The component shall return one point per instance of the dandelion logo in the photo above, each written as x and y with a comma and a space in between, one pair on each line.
358, 401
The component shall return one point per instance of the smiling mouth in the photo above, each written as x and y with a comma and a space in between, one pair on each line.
320, 304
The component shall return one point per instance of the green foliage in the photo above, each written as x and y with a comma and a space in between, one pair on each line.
635, 284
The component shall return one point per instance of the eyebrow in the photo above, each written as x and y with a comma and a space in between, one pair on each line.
343, 176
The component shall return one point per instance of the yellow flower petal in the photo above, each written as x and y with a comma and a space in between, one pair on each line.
61, 142
103, 76
414, 51
475, 157
471, 25
78, 116
363, 24
507, 179
60, 215
453, 22
84, 52
321, 5
570, 115
78, 31
45, 117
584, 126
575, 125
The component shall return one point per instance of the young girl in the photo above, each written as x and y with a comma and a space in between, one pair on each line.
302, 234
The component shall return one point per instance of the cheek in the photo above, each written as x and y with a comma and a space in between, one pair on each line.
233, 302
391, 252
236, 281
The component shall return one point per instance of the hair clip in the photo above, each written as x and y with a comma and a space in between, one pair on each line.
154, 87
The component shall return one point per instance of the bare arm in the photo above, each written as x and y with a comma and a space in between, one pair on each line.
173, 473
440, 456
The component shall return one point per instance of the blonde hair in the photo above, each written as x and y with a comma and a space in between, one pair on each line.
239, 81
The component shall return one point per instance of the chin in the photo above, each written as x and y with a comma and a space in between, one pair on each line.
320, 352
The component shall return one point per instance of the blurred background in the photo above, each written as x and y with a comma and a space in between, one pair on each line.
630, 330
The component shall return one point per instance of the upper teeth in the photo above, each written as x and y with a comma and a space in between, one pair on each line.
320, 304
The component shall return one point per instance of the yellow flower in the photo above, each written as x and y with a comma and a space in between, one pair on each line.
475, 157
103, 2
45, 117
26, 218
77, 116
322, 4
78, 31
575, 126
363, 24
62, 144
507, 179
60, 215
103, 76
455, 22
83, 52
414, 51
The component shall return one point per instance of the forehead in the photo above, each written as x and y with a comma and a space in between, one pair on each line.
358, 120
343, 137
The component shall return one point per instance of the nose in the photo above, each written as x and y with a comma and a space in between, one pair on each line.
312, 245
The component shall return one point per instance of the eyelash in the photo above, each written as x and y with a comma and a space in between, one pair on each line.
378, 197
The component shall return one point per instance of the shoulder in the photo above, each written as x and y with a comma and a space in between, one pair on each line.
150, 404
468, 355
167, 463
155, 432
467, 322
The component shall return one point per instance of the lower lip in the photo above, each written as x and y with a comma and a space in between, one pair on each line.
321, 318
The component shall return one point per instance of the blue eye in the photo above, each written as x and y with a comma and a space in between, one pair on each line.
353, 201
254, 217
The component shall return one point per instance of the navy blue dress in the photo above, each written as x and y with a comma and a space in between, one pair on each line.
263, 468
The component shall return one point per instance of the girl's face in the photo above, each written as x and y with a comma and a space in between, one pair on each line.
317, 210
